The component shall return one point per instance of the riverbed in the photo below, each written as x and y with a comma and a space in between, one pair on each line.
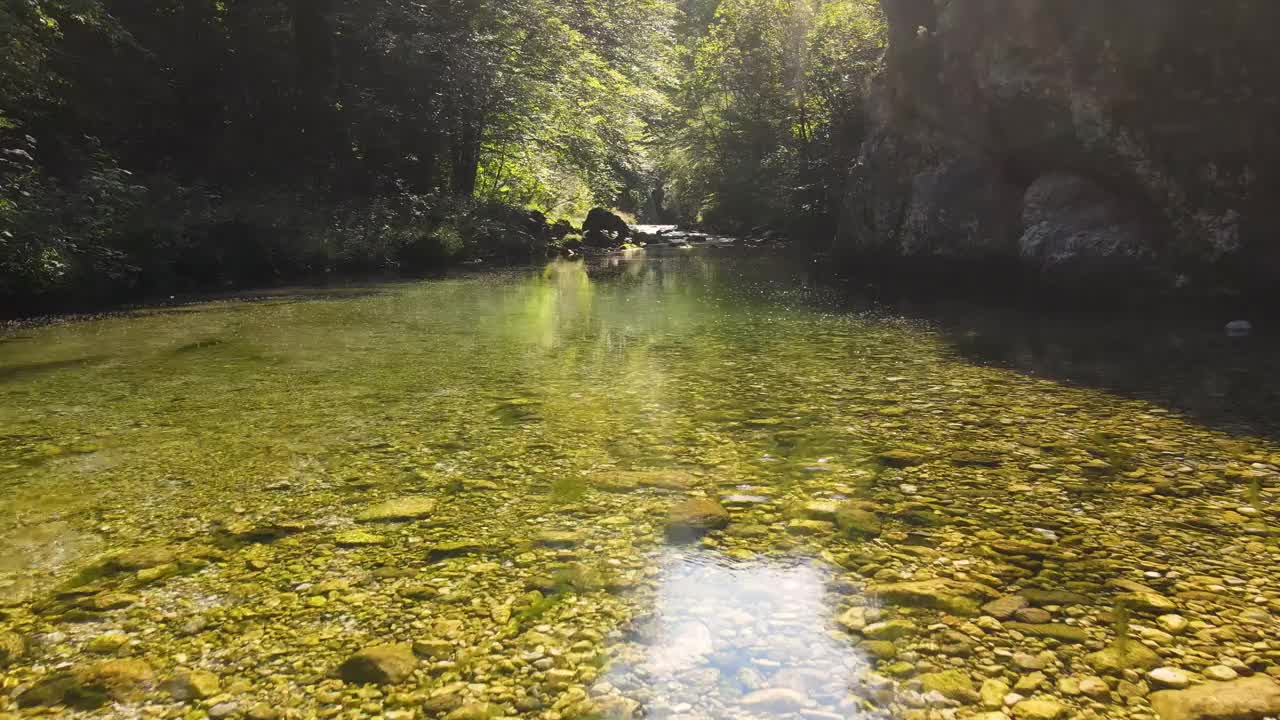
692, 484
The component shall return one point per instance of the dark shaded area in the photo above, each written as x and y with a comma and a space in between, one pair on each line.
1166, 111
25, 370
187, 145
200, 345
1175, 355
1186, 364
201, 303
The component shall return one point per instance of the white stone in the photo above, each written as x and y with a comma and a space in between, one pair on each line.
1095, 687
1172, 624
1239, 327
1221, 673
1167, 677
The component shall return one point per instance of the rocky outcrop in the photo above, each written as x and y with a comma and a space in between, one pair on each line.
1135, 140
605, 229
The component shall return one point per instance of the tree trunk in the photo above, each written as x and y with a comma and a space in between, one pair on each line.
465, 157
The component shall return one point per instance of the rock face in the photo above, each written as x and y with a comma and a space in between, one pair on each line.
1128, 141
1250, 699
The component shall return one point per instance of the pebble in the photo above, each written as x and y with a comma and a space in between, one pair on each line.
223, 710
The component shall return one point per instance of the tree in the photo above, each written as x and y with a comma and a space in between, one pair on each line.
766, 116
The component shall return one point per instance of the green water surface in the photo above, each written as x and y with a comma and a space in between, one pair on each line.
183, 491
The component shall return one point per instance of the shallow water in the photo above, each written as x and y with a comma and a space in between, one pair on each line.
195, 489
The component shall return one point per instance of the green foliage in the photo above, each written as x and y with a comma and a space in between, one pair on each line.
582, 86
154, 148
768, 116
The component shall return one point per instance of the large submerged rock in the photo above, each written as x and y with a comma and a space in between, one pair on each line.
1132, 140
379, 665
1249, 699
398, 510
690, 520
91, 686
952, 596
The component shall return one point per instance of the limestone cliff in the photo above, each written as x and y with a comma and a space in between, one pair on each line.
1139, 139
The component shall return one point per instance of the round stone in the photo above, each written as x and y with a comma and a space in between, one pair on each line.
1220, 673
1169, 678
1172, 624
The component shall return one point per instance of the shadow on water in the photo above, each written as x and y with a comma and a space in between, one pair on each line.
1187, 364
23, 371
1179, 358
233, 302
247, 302
733, 638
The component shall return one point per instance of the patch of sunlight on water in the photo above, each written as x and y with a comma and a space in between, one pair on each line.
740, 638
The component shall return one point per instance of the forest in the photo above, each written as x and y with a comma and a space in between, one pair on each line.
186, 145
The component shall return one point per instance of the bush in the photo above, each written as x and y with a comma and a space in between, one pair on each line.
116, 241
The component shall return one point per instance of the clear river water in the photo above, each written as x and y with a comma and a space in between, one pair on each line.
686, 484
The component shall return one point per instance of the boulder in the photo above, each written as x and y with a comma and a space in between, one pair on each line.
358, 538
605, 229
475, 711
1039, 709
1004, 608
1252, 698
193, 685
952, 596
1057, 631
1147, 602
690, 520
141, 558
1168, 678
1114, 660
91, 686
560, 230
951, 684
889, 630
857, 522
557, 538
630, 480
401, 509
900, 458
379, 665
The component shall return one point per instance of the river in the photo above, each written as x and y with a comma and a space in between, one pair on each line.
679, 484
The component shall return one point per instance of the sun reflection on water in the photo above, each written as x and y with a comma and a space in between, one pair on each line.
735, 638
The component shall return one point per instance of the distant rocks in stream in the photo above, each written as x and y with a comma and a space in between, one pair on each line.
603, 228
